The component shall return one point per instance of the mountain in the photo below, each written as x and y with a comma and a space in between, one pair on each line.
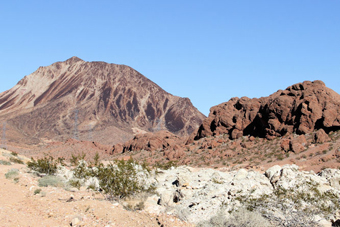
301, 108
94, 101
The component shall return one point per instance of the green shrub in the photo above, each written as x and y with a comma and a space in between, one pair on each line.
37, 191
12, 173
16, 160
168, 165
53, 181
75, 183
45, 165
3, 162
119, 179
74, 160
14, 153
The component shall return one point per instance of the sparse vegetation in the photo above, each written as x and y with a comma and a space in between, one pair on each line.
16, 160
119, 179
47, 165
12, 174
53, 181
37, 191
241, 217
167, 165
76, 158
75, 183
3, 162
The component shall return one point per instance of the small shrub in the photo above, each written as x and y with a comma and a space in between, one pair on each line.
3, 162
242, 217
53, 181
169, 164
14, 153
324, 152
280, 157
37, 191
12, 173
16, 160
75, 183
45, 165
76, 158
216, 181
119, 179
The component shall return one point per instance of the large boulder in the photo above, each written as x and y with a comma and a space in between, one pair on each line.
320, 136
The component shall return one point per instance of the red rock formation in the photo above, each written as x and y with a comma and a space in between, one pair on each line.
150, 142
301, 108
320, 137
108, 100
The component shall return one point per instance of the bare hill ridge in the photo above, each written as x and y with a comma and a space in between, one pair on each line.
91, 100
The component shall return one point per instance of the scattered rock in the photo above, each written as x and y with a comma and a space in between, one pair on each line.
320, 136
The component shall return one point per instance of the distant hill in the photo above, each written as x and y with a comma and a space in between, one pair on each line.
95, 101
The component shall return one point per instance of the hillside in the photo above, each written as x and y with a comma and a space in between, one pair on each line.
95, 101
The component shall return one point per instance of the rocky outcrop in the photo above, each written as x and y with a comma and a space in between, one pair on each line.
320, 136
92, 101
149, 141
301, 108
293, 196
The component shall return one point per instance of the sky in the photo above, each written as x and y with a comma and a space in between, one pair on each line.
208, 51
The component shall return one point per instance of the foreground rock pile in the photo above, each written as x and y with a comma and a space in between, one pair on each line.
283, 195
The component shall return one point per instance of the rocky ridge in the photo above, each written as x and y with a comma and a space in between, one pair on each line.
93, 101
301, 108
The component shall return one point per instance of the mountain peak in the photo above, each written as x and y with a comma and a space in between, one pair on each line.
73, 60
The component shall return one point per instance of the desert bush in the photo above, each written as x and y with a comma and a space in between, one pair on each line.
53, 181
119, 179
299, 207
239, 218
12, 174
37, 191
74, 160
75, 183
47, 165
137, 202
16, 160
168, 165
14, 153
3, 162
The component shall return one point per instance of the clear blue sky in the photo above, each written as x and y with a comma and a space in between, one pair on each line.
208, 51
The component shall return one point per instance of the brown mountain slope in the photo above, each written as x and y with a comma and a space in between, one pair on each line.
91, 100
301, 108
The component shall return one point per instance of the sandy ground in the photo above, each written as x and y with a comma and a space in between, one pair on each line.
20, 206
